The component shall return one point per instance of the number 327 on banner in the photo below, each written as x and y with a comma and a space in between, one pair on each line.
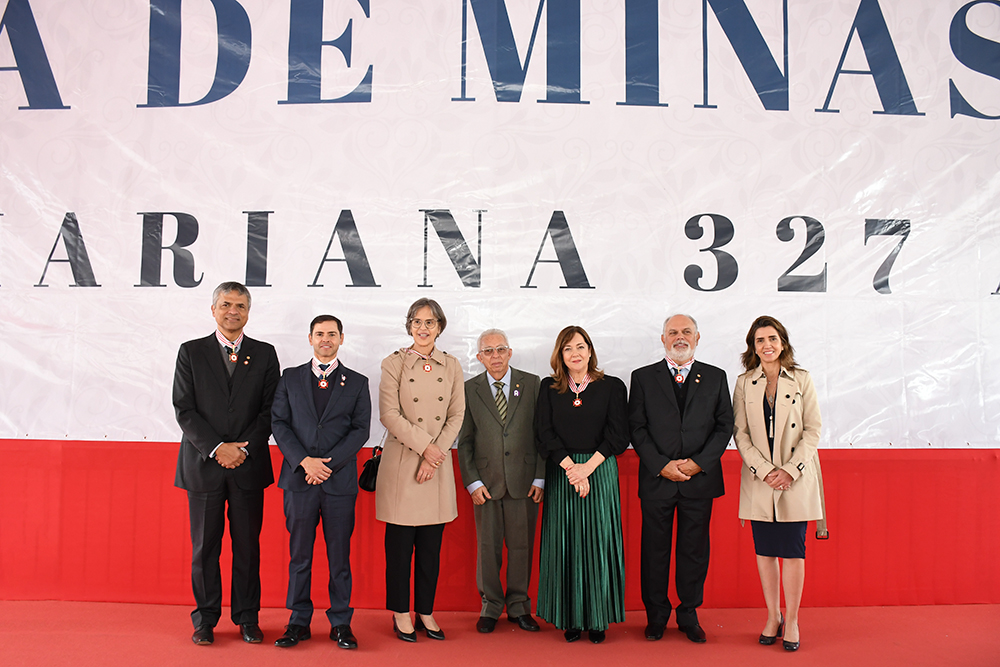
789, 281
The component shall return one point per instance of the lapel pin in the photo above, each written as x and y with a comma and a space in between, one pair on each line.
516, 393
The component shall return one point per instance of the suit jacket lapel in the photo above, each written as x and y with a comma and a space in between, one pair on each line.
336, 391
693, 382
213, 355
247, 353
513, 393
305, 382
666, 381
486, 395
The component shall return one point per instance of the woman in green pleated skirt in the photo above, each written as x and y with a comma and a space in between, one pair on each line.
582, 425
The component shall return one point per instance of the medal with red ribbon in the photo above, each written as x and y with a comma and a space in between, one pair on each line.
578, 389
231, 346
323, 374
677, 368
426, 357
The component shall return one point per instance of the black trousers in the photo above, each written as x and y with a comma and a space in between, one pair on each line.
303, 512
422, 546
208, 512
693, 518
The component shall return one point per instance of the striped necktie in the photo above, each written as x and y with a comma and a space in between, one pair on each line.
501, 401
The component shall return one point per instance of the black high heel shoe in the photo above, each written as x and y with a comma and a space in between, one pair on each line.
790, 646
405, 636
767, 641
431, 634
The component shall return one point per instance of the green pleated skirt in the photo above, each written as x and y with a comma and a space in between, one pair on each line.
581, 582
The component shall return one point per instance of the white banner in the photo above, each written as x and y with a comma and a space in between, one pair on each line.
529, 165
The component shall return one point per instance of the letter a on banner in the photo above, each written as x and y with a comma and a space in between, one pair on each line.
354, 253
76, 254
567, 256
885, 68
29, 54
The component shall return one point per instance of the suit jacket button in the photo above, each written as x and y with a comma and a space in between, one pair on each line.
319, 426
438, 418
415, 399
420, 419
440, 379
230, 410
793, 425
506, 453
440, 398
788, 395
411, 379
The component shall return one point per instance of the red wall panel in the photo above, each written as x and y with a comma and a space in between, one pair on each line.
102, 521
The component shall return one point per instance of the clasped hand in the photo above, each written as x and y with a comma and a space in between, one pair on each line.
425, 472
316, 470
778, 479
229, 455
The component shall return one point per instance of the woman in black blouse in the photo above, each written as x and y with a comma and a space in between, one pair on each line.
582, 425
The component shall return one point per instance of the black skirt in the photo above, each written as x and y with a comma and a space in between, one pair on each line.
779, 539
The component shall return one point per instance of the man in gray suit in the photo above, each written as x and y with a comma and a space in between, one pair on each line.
505, 476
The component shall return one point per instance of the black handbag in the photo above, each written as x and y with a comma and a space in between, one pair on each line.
369, 473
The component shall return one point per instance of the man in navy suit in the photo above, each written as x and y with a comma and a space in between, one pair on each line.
681, 419
223, 388
320, 418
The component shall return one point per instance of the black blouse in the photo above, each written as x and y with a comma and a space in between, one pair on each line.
600, 424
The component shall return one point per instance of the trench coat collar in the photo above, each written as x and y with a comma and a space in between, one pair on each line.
410, 360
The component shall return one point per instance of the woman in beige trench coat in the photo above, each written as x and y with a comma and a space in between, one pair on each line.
421, 404
781, 485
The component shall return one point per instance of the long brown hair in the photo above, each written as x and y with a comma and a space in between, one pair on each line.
750, 359
559, 372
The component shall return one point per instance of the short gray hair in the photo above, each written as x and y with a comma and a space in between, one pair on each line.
231, 286
670, 317
491, 332
436, 310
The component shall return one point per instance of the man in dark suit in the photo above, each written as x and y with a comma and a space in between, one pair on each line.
321, 418
503, 472
681, 419
223, 388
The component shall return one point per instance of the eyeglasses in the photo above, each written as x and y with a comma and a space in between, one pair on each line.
489, 351
429, 324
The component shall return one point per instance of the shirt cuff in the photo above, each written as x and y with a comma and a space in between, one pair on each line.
212, 455
540, 483
475, 485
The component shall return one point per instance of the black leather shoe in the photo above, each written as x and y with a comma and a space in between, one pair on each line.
405, 636
654, 631
572, 635
343, 636
485, 624
293, 635
694, 633
431, 634
790, 646
767, 641
525, 622
251, 633
595, 636
203, 635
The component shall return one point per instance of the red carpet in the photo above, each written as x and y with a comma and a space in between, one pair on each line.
80, 634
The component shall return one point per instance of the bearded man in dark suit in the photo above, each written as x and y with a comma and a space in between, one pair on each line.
681, 419
223, 388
